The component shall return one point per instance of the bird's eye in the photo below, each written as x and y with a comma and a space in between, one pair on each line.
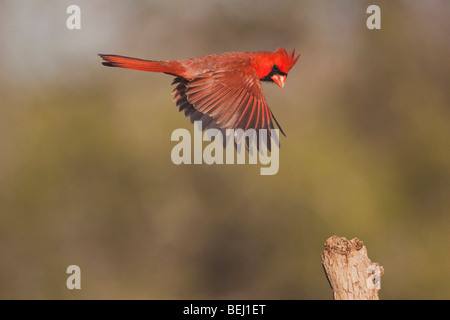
275, 67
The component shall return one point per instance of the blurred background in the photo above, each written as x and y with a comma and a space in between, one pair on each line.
86, 176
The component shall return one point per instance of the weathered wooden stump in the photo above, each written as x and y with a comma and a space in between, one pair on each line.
350, 272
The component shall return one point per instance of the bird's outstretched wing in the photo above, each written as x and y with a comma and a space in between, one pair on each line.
225, 100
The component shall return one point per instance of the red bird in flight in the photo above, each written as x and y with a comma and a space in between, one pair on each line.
222, 90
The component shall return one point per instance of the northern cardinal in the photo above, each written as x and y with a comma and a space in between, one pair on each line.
223, 90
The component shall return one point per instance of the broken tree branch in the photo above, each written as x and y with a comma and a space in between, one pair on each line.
351, 274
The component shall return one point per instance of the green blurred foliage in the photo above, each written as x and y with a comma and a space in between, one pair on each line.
86, 176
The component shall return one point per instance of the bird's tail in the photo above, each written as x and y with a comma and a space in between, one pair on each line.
170, 67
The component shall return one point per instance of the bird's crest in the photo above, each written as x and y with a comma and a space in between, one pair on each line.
284, 60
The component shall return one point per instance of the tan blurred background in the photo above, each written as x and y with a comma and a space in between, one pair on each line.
86, 176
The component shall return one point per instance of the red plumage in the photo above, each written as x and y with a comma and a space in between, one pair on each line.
224, 90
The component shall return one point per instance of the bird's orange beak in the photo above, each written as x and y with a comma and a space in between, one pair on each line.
279, 79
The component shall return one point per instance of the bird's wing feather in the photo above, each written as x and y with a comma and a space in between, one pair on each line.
233, 99
225, 100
